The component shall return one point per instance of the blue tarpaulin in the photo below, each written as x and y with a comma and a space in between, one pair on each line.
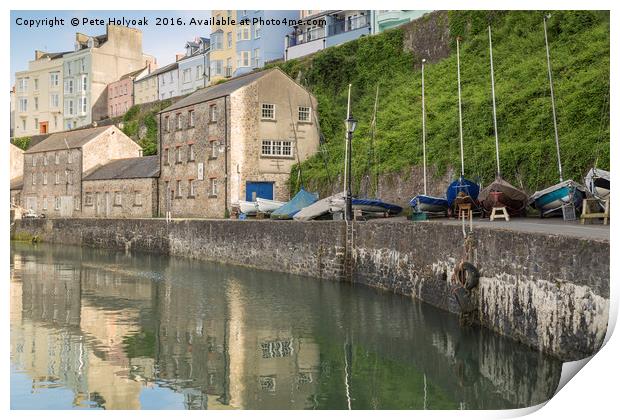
302, 199
466, 186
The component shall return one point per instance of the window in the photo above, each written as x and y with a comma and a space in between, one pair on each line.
54, 102
69, 177
44, 160
190, 152
213, 145
83, 65
167, 123
56, 158
88, 199
83, 106
137, 198
166, 156
69, 157
179, 121
277, 148
70, 107
256, 57
36, 104
118, 197
190, 118
192, 188
76, 203
245, 34
229, 40
23, 105
57, 203
199, 72
85, 84
178, 154
303, 113
187, 75
213, 113
36, 123
257, 30
44, 178
268, 112
213, 186
228, 67
34, 179
44, 203
22, 85
171, 77
243, 59
54, 79
69, 86
216, 67
34, 160
216, 41
23, 123
57, 178
178, 194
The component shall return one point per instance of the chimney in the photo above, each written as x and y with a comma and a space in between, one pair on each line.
38, 54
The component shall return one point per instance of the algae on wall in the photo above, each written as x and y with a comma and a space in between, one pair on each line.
579, 44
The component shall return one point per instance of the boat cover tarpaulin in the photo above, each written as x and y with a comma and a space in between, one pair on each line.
597, 178
470, 188
569, 183
430, 200
512, 197
302, 199
319, 208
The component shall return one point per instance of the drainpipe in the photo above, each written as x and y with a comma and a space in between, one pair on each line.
160, 162
226, 212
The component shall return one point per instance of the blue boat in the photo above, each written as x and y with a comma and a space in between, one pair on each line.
302, 199
427, 204
469, 188
372, 205
553, 198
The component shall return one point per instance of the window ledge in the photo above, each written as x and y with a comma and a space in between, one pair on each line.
268, 119
212, 158
212, 196
191, 196
137, 205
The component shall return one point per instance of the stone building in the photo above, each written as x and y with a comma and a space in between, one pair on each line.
122, 188
54, 168
120, 93
234, 141
16, 172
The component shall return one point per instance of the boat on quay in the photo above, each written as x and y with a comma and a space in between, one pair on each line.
424, 203
249, 208
500, 193
268, 206
301, 200
461, 190
565, 196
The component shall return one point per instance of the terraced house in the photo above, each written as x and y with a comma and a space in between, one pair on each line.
234, 141
55, 167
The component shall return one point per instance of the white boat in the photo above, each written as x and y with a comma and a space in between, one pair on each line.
321, 207
248, 207
267, 206
597, 182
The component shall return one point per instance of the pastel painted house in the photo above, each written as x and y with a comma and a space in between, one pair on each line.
194, 66
120, 93
326, 29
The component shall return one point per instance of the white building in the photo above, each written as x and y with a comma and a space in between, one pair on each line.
194, 67
168, 81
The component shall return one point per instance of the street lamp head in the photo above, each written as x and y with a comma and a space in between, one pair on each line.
350, 124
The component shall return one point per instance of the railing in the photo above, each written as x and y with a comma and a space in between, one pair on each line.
335, 28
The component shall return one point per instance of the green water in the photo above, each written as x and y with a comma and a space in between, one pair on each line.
100, 329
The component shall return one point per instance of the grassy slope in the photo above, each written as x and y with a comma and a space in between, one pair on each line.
579, 43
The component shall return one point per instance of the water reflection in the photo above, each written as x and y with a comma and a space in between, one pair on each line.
125, 332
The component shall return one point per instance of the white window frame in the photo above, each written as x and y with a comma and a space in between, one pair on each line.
69, 86
268, 111
88, 199
118, 198
23, 104
178, 154
56, 203
213, 186
187, 75
83, 105
54, 100
57, 178
54, 78
199, 72
275, 148
191, 154
301, 110
192, 188
44, 203
56, 158
257, 31
179, 188
137, 198
191, 115
179, 122
36, 104
213, 113
44, 178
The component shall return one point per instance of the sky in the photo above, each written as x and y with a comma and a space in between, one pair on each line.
161, 41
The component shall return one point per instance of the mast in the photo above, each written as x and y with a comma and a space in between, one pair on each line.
555, 122
458, 70
494, 110
346, 148
423, 127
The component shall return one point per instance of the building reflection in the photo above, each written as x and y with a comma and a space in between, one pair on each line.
109, 326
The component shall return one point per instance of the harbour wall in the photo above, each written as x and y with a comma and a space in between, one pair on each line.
550, 292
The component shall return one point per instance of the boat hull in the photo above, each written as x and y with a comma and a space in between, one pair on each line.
427, 204
553, 198
248, 207
267, 206
502, 194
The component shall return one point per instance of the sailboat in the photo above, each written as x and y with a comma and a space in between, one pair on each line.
557, 196
424, 203
462, 188
597, 182
500, 193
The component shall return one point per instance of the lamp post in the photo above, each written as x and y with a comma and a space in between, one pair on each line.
350, 124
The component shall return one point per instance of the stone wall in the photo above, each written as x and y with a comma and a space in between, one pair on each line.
550, 292
138, 198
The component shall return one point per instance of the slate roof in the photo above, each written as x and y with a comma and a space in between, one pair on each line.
139, 167
218, 90
165, 69
55, 55
17, 183
74, 139
132, 74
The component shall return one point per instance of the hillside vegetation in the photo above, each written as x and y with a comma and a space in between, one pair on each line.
579, 45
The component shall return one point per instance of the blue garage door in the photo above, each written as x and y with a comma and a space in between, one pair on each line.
258, 189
